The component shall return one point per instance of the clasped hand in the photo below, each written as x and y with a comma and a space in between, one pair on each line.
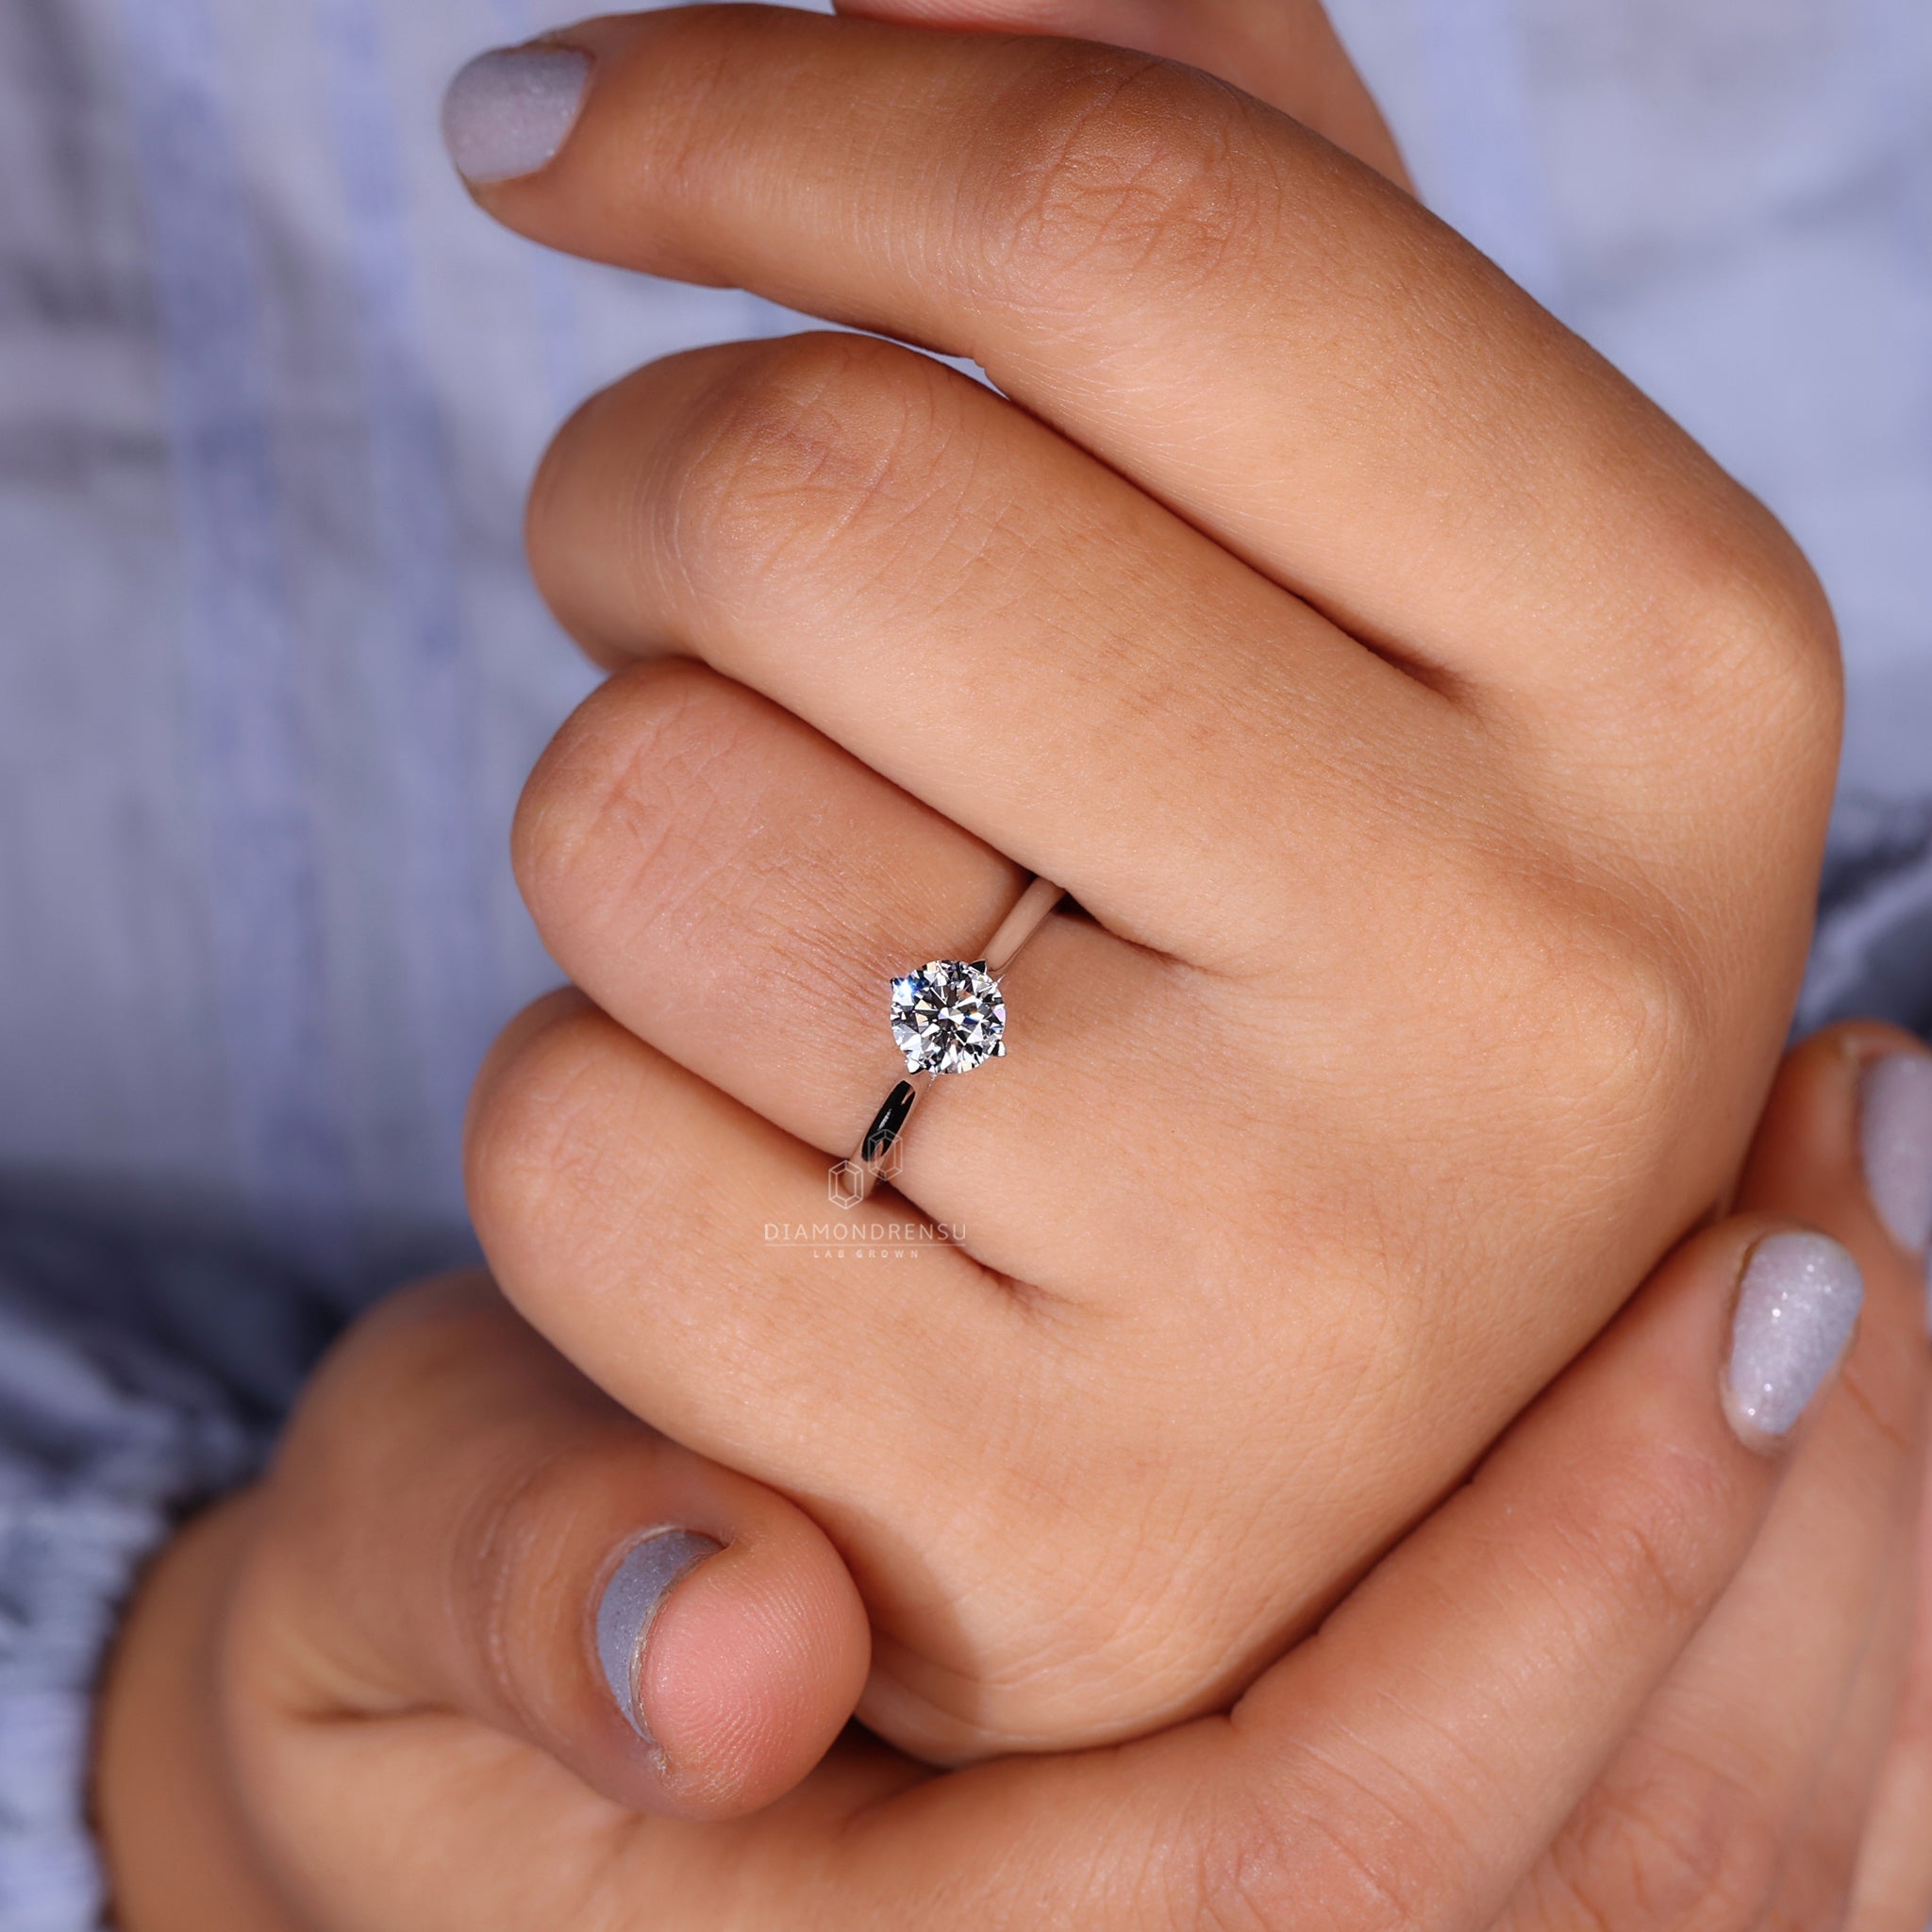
1437, 746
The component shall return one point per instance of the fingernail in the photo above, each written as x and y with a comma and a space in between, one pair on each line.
1895, 1142
1797, 1306
508, 111
630, 1606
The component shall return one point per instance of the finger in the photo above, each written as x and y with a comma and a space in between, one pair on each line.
1284, 52
1716, 1804
1892, 1886
604, 1179
1817, 1875
177, 1855
933, 580
1495, 1656
1847, 1137
1085, 223
458, 1523
1681, 1502
1498, 1654
619, 1197
708, 869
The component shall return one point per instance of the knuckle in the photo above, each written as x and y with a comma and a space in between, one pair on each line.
1648, 1534
392, 1359
549, 1158
586, 506
330, 1501
1625, 1015
511, 1564
555, 491
667, 812
1613, 1021
1677, 1845
1268, 1864
795, 442
1762, 641
616, 813
692, 479
1106, 169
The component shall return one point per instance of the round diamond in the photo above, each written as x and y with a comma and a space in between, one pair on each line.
948, 1016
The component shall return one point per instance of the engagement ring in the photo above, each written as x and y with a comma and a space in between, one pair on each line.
948, 1017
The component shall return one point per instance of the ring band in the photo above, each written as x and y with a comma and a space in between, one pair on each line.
948, 1017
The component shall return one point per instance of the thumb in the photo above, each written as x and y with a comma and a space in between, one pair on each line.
460, 1522
1284, 52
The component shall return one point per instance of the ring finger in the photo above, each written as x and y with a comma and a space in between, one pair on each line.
739, 893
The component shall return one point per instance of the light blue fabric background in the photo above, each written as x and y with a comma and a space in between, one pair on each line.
271, 673
270, 389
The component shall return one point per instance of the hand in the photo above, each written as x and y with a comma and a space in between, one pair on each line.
1440, 744
1639, 1674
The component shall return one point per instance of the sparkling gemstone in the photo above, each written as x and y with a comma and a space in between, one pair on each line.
948, 1016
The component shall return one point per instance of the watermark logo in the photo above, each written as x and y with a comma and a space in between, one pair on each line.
846, 1182
863, 1237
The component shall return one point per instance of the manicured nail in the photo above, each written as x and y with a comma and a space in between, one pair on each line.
506, 113
1797, 1306
630, 1606
1895, 1142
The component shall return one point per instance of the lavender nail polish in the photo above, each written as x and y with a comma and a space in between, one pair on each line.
1896, 1144
508, 113
1797, 1306
630, 1606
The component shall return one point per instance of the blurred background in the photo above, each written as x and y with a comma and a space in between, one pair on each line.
271, 672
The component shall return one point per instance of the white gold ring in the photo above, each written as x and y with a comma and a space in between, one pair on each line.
948, 1017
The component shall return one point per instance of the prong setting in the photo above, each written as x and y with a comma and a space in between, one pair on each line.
948, 1017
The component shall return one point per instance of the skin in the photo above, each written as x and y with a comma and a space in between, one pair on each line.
1334, 626
1620, 1679
363, 1696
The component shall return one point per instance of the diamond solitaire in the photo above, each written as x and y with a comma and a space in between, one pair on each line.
948, 1017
